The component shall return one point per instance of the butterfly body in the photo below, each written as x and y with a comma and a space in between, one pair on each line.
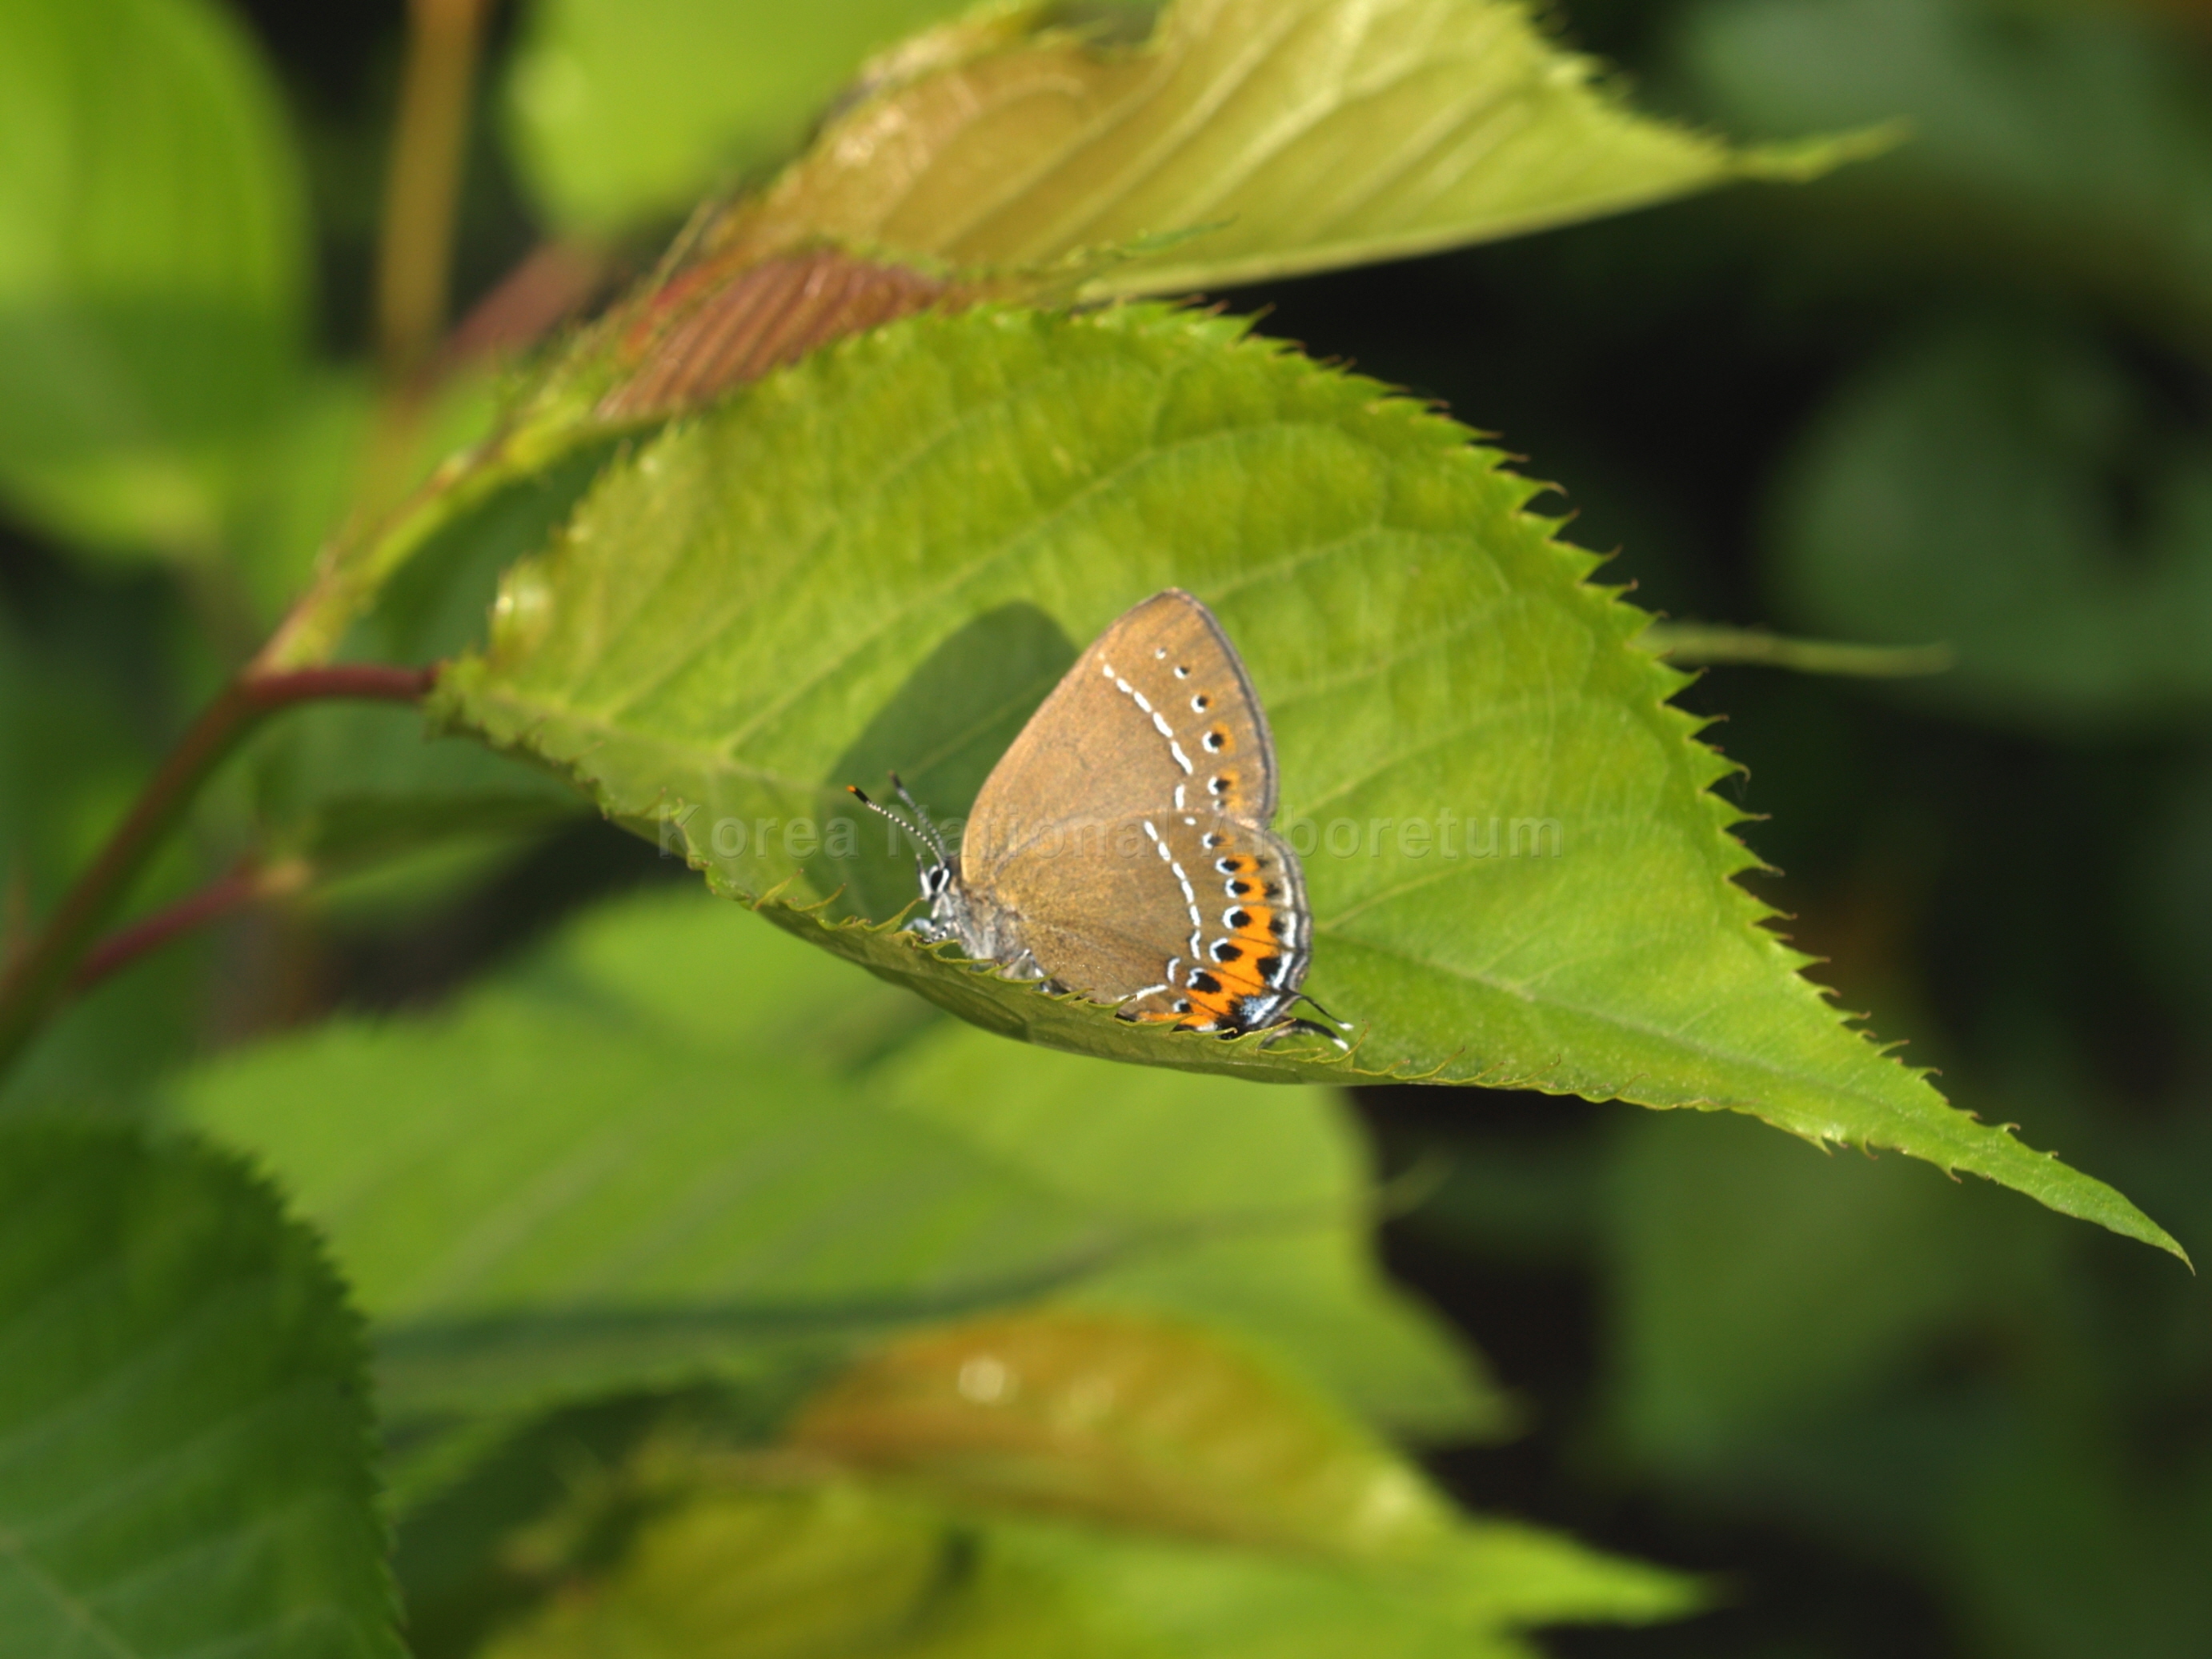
1120, 848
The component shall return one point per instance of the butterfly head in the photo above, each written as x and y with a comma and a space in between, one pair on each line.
937, 869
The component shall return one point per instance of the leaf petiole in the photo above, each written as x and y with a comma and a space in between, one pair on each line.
34, 981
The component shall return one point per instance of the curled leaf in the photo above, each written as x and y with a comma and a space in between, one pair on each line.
1241, 139
1123, 1419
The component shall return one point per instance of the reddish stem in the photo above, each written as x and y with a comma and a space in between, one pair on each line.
246, 885
368, 682
36, 980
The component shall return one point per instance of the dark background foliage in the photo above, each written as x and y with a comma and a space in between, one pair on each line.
1896, 1418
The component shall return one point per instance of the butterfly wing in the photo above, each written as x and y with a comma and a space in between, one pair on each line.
1158, 716
1194, 920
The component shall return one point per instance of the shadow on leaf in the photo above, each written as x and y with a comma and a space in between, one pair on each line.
942, 733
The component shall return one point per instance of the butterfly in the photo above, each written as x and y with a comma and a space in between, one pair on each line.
1121, 849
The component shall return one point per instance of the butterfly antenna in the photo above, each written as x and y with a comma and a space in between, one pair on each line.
921, 816
927, 844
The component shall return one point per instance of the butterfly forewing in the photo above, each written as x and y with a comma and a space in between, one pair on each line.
1156, 717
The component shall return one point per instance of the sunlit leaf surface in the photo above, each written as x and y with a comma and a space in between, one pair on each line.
886, 557
1241, 139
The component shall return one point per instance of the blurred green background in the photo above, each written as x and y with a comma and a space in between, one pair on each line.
1961, 393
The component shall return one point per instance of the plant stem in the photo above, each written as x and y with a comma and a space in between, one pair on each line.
37, 979
1689, 644
248, 885
429, 143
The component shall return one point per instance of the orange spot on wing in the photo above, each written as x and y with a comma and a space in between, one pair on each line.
1233, 980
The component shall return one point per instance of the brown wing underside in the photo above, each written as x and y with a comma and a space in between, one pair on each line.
1198, 919
1158, 716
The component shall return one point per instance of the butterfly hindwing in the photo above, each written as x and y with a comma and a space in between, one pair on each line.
1253, 941
1195, 920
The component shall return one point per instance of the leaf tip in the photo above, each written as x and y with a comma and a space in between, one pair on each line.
1801, 161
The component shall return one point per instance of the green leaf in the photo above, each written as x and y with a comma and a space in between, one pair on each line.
1139, 1596
1108, 1417
1974, 487
831, 1568
184, 1426
1048, 162
619, 110
885, 557
2065, 141
825, 1569
1226, 1510
384, 826
1032, 1588
682, 1147
153, 269
1243, 139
